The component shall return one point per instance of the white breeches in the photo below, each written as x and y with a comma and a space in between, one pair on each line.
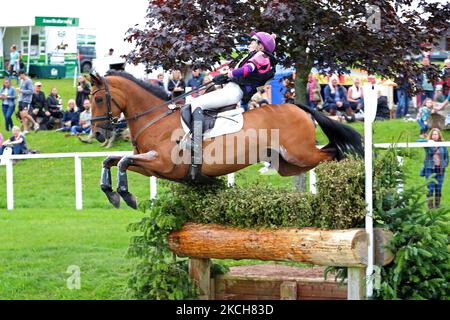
230, 94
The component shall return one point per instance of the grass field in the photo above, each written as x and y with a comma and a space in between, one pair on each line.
44, 235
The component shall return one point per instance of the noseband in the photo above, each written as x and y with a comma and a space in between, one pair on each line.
112, 121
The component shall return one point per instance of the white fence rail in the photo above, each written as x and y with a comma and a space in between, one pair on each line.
153, 185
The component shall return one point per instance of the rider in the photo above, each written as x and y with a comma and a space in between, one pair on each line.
253, 71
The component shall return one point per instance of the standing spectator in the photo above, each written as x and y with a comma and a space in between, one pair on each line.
422, 117
425, 85
14, 63
85, 120
355, 95
25, 96
336, 99
39, 106
176, 85
436, 160
196, 81
313, 95
71, 117
17, 142
403, 97
53, 108
445, 75
8, 98
83, 92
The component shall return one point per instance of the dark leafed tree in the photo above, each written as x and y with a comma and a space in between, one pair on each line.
332, 36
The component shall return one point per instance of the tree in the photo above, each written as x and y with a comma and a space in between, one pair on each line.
331, 36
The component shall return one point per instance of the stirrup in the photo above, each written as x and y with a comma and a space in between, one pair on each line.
197, 142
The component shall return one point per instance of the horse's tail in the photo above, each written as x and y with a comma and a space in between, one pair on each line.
343, 139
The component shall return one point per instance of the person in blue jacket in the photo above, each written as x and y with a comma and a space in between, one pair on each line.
436, 160
8, 100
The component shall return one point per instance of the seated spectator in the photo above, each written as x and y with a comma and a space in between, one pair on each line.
160, 80
85, 120
196, 81
17, 142
71, 117
53, 108
355, 96
207, 80
336, 99
39, 106
383, 112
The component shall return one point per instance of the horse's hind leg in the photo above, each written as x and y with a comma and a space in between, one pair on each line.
105, 180
122, 179
290, 165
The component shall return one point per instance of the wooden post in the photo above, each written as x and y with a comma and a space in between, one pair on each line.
356, 284
288, 290
199, 270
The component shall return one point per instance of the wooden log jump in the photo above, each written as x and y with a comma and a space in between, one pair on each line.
344, 248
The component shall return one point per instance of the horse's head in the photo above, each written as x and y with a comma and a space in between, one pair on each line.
106, 104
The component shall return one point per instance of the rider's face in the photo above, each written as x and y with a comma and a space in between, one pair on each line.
253, 45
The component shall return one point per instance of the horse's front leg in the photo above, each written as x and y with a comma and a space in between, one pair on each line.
105, 180
138, 160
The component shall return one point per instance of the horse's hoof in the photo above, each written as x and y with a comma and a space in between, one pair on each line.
129, 199
114, 198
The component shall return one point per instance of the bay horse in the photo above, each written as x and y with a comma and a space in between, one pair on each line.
156, 131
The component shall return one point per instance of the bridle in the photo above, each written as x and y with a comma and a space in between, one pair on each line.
113, 122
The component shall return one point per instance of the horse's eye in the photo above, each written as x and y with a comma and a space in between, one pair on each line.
99, 100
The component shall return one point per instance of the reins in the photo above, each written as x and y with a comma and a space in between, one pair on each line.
113, 121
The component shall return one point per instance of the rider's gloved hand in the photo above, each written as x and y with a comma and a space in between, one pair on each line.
220, 79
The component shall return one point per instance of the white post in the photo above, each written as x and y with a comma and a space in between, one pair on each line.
78, 184
400, 185
9, 184
30, 29
312, 182
370, 106
230, 179
75, 75
153, 188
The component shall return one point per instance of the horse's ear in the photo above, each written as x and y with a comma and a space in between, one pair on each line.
95, 79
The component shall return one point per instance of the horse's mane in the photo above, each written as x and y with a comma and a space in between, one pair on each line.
155, 90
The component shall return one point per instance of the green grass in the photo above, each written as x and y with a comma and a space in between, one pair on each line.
44, 235
37, 247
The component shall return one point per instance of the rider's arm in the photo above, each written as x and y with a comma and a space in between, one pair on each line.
244, 70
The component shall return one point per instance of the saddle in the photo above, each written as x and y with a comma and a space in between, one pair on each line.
214, 123
210, 116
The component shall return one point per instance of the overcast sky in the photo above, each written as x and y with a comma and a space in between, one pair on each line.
110, 18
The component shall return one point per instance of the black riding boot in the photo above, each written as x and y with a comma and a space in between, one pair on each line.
197, 139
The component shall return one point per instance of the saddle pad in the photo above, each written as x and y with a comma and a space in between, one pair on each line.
227, 122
